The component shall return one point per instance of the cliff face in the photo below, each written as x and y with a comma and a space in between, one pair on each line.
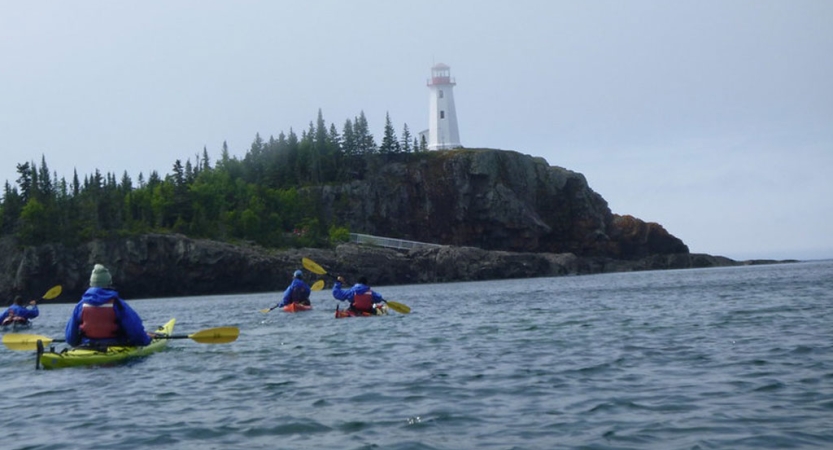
494, 200
143, 266
155, 266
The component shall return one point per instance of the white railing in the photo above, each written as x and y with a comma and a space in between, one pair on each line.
379, 241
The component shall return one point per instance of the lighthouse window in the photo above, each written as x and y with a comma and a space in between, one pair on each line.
441, 93
442, 114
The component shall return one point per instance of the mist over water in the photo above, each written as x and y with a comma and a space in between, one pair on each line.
738, 358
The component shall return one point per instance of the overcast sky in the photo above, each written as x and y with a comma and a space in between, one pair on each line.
712, 118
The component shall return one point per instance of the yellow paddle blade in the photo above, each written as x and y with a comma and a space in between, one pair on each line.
318, 285
266, 310
220, 335
24, 342
312, 266
53, 292
398, 307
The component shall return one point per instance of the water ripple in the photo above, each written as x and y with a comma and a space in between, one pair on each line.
738, 358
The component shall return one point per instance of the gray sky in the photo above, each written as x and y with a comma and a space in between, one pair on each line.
712, 118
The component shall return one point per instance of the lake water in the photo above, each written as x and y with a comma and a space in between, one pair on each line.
729, 358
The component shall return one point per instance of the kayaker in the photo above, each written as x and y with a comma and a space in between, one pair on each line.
102, 318
19, 313
297, 292
362, 299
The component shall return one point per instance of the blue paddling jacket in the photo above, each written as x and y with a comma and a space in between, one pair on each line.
130, 331
298, 290
357, 289
21, 311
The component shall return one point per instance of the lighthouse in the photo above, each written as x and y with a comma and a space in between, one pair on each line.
442, 119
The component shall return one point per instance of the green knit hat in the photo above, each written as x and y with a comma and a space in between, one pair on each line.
100, 277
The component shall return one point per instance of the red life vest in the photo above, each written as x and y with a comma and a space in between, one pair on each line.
363, 302
99, 322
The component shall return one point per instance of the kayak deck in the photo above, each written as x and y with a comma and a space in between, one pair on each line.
296, 307
74, 357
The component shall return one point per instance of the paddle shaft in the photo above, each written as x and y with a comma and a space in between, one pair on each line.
220, 335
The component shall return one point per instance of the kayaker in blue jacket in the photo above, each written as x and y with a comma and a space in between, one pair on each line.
102, 318
19, 313
360, 296
297, 292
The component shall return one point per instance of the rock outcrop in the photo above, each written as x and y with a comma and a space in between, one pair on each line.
153, 266
493, 200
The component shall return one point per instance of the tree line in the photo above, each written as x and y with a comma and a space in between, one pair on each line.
253, 199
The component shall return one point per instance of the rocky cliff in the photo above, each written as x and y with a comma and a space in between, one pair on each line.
174, 265
493, 200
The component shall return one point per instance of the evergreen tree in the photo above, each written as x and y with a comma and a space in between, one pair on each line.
205, 163
11, 207
76, 185
406, 139
24, 181
179, 174
389, 142
126, 183
349, 144
366, 145
45, 189
189, 172
224, 155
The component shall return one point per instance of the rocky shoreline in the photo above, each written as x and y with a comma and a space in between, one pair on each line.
161, 265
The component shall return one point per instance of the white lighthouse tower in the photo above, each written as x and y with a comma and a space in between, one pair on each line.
442, 117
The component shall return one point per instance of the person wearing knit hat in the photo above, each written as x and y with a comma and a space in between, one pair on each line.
103, 318
297, 292
100, 277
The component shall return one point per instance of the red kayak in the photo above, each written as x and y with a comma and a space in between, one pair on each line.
296, 307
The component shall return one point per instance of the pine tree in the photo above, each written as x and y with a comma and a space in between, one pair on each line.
46, 192
24, 181
349, 145
76, 185
205, 163
406, 139
366, 145
389, 142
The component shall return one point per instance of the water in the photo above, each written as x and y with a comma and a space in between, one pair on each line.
730, 358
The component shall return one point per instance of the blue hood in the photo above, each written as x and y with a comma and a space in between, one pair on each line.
98, 296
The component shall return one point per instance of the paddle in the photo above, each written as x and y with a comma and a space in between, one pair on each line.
317, 286
219, 335
53, 292
313, 267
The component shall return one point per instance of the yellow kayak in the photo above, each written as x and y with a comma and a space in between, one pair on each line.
73, 357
